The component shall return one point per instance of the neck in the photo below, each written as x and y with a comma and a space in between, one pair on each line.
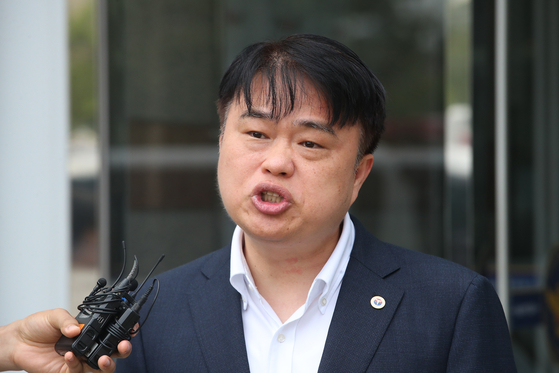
284, 272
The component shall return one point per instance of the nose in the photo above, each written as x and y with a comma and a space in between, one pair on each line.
279, 160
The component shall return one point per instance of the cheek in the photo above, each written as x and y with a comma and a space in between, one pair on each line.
224, 174
342, 179
233, 164
232, 171
227, 158
330, 183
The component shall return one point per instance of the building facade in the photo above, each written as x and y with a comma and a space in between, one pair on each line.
468, 168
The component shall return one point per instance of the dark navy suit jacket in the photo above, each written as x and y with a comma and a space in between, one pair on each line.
439, 317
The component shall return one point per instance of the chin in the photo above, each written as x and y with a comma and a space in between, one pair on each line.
266, 230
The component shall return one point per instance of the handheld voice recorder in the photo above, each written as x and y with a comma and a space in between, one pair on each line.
108, 315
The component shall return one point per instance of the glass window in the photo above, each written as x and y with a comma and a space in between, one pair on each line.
83, 149
166, 59
533, 90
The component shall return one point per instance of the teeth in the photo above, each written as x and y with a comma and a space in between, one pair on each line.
272, 197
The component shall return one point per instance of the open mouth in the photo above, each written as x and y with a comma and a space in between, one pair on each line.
271, 197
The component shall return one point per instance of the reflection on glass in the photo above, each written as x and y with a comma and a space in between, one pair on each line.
165, 62
83, 148
533, 166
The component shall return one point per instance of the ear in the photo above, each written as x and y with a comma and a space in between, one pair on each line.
361, 174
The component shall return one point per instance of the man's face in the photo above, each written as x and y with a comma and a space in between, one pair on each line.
292, 180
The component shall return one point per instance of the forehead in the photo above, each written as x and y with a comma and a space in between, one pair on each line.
279, 101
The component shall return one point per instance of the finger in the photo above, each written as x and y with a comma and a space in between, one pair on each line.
124, 349
60, 319
106, 364
72, 362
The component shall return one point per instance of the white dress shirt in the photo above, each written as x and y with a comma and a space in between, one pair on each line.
295, 346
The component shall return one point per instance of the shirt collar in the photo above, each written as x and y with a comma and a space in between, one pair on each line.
330, 277
324, 285
240, 276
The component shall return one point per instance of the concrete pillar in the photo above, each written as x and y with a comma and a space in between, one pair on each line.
34, 184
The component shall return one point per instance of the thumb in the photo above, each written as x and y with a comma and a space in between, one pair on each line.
61, 320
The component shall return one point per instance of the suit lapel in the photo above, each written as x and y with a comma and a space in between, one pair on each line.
357, 328
216, 311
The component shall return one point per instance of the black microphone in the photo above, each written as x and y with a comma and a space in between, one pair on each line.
100, 284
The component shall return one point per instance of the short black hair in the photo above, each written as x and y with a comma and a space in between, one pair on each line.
353, 93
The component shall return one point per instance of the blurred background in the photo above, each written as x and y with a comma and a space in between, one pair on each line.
137, 139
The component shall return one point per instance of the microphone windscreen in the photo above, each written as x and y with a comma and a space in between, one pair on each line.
101, 282
133, 284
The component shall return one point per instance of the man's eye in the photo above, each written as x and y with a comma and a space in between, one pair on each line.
310, 144
257, 135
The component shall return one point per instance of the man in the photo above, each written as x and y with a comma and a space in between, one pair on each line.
28, 344
303, 287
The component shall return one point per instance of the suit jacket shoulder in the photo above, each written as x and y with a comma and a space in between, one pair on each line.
438, 316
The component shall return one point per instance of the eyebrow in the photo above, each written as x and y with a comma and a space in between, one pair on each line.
318, 126
255, 113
